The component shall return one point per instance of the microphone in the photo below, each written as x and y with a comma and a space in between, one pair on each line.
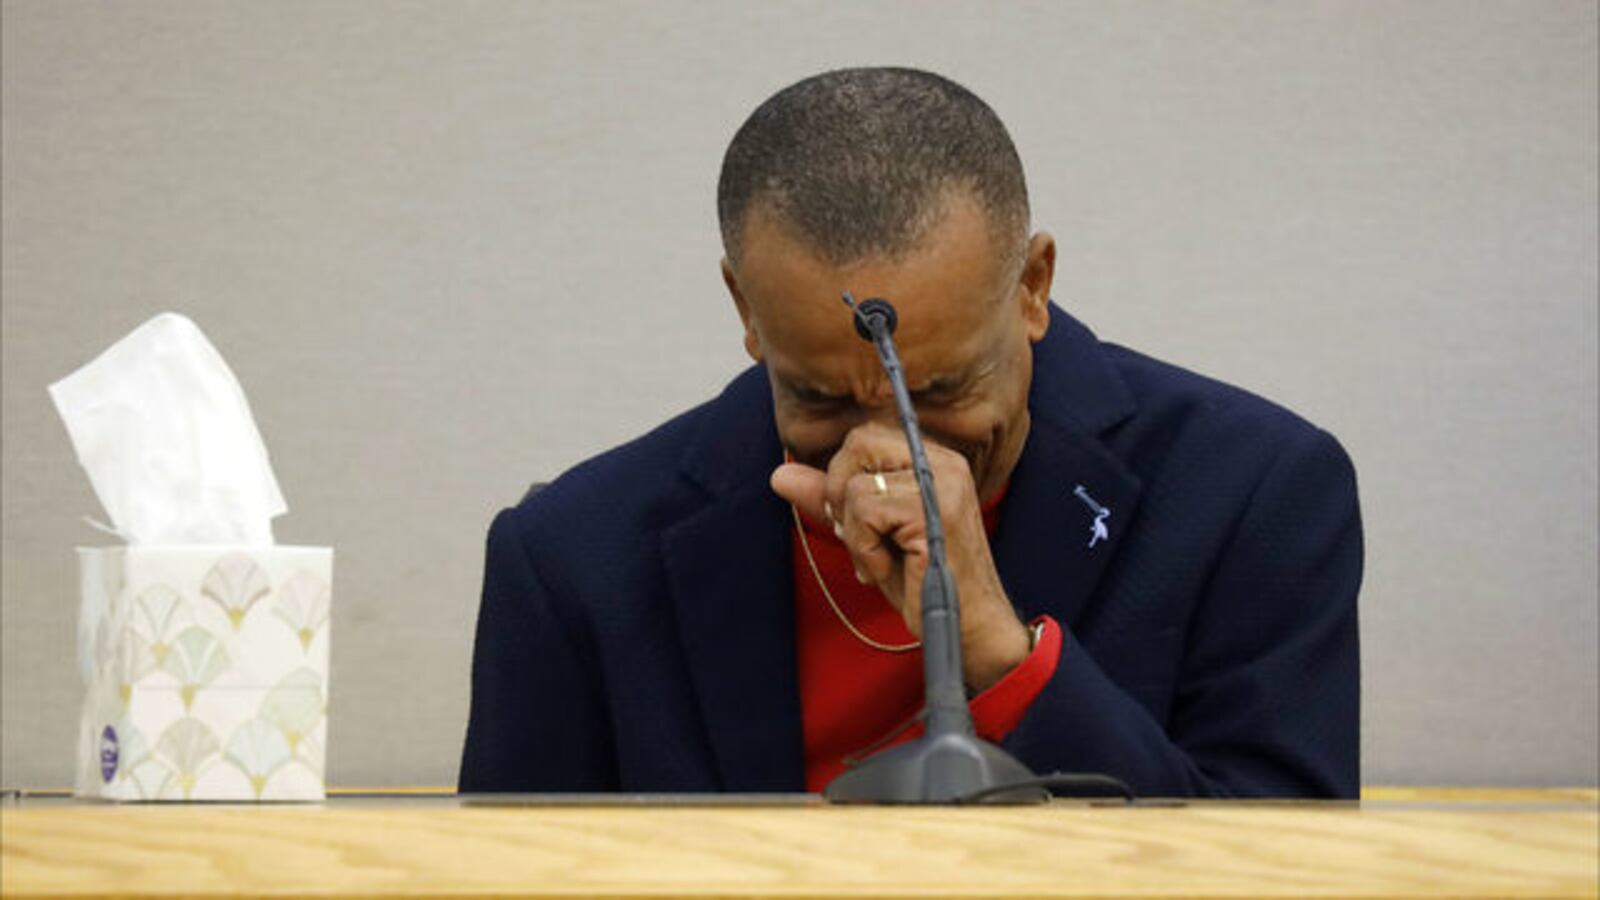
949, 763
873, 316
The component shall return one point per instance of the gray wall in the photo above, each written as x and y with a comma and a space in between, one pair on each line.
450, 248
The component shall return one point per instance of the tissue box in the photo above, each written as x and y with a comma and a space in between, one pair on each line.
206, 672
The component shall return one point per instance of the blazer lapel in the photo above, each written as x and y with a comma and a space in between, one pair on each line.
1048, 547
730, 579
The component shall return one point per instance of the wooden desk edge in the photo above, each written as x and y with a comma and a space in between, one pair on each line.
1371, 793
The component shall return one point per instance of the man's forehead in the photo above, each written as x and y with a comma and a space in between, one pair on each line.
952, 279
839, 361
936, 335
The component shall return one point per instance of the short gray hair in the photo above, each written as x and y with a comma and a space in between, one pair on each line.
860, 162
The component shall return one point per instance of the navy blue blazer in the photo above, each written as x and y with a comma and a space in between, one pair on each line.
637, 623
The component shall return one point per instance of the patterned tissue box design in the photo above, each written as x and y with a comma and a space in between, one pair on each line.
206, 672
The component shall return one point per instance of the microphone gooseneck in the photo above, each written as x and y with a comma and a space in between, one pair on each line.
949, 763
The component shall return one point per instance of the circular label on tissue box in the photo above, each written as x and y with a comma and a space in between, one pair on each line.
108, 754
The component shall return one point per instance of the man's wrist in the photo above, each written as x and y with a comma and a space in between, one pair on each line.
989, 660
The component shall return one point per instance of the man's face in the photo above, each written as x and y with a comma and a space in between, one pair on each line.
968, 315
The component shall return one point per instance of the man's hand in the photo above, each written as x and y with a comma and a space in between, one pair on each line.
888, 539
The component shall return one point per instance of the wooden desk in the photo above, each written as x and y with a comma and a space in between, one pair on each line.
1399, 843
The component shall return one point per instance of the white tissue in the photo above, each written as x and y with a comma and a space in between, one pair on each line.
163, 429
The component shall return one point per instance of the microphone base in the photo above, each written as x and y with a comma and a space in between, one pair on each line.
936, 769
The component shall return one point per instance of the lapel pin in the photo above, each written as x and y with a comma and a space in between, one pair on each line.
1097, 530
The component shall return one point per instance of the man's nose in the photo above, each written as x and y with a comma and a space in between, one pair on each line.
876, 401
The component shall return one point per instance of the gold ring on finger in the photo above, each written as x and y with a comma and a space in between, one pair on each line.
881, 483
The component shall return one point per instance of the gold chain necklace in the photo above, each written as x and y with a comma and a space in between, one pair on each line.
828, 595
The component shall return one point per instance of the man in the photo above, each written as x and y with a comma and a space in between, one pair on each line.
1157, 573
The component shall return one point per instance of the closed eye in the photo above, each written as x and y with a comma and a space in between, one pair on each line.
939, 392
811, 396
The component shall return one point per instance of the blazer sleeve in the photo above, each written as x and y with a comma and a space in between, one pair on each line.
1268, 700
537, 721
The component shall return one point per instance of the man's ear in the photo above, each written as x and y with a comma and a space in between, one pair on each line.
1038, 271
752, 340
